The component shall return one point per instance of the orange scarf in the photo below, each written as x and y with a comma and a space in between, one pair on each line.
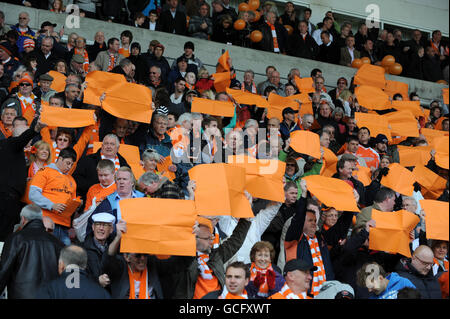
226, 295
436, 262
253, 88
289, 294
264, 288
112, 62
86, 58
25, 104
116, 162
274, 36
5, 131
124, 52
319, 275
93, 138
143, 284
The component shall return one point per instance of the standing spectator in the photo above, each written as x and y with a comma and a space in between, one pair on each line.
349, 52
297, 275
108, 60
301, 44
274, 35
172, 20
306, 16
138, 20
224, 31
98, 46
29, 257
431, 66
390, 48
262, 86
361, 36
194, 63
23, 30
10, 64
88, 7
345, 32
327, 51
227, 9
3, 27
200, 25
58, 6
289, 17
237, 276
327, 25
113, 10
38, 4
72, 258
368, 51
158, 60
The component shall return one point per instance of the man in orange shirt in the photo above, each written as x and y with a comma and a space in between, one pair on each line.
52, 188
98, 192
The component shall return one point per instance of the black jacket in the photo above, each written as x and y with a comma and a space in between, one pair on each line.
329, 54
427, 285
432, 69
29, 259
298, 47
58, 288
266, 43
95, 49
46, 64
94, 266
167, 23
85, 174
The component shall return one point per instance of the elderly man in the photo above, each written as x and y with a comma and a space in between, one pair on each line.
23, 30
7, 58
155, 80
86, 172
157, 137
419, 270
298, 276
6, 122
155, 186
47, 56
29, 257
274, 35
307, 121
98, 46
72, 261
126, 68
43, 92
109, 59
24, 101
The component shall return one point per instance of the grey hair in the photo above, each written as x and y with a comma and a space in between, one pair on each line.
114, 136
19, 70
74, 255
128, 170
250, 122
151, 155
157, 67
124, 63
184, 117
48, 38
197, 116
68, 86
292, 71
31, 212
158, 116
149, 178
338, 110
305, 116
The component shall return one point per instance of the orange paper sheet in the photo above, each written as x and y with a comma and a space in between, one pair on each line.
363, 174
222, 81
412, 106
412, 156
129, 101
99, 82
220, 190
436, 219
391, 233
306, 142
263, 177
371, 75
222, 63
158, 226
329, 163
163, 168
432, 184
372, 98
332, 192
394, 87
64, 217
305, 85
248, 98
212, 107
59, 81
377, 124
440, 144
431, 134
399, 179
277, 104
306, 103
64, 117
445, 95
403, 123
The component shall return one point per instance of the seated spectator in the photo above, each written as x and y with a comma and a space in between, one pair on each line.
227, 9
289, 17
349, 52
390, 48
98, 46
346, 30
23, 30
201, 25
204, 82
368, 51
361, 36
108, 60
10, 64
237, 277
327, 25
179, 71
126, 37
194, 63
224, 31
156, 59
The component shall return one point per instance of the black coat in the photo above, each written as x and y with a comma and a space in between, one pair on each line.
427, 285
167, 23
432, 69
85, 174
44, 65
94, 266
95, 49
58, 288
266, 43
329, 54
298, 47
29, 259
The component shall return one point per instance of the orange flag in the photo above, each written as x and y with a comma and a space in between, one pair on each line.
329, 163
99, 82
436, 218
222, 81
129, 101
399, 179
391, 233
248, 98
332, 192
440, 144
377, 124
263, 177
305, 85
403, 123
277, 104
59, 81
394, 87
163, 168
432, 184
306, 103
371, 75
222, 63
64, 117
212, 107
412, 106
220, 190
372, 97
158, 226
29, 114
412, 156
363, 174
306, 142
445, 95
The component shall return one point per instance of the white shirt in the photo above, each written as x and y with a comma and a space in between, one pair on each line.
351, 51
152, 26
316, 35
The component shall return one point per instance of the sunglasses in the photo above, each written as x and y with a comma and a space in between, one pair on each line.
24, 84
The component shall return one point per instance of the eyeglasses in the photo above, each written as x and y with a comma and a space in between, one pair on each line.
99, 224
25, 84
424, 263
205, 238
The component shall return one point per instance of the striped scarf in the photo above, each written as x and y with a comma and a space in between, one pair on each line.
112, 62
143, 284
226, 295
116, 162
253, 88
216, 242
26, 102
203, 267
86, 58
289, 294
93, 138
274, 36
319, 274
264, 288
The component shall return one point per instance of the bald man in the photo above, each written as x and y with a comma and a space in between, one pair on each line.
419, 271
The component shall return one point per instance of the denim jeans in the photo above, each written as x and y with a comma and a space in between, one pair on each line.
62, 233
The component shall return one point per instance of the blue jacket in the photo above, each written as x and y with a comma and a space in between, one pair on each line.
395, 284
162, 147
22, 36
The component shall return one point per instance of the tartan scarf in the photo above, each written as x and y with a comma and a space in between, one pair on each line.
289, 294
226, 295
142, 278
274, 36
319, 275
264, 288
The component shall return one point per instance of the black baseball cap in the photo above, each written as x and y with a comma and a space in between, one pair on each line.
289, 110
298, 264
47, 24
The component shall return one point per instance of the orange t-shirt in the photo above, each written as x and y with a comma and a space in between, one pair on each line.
57, 187
99, 192
204, 286
369, 155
